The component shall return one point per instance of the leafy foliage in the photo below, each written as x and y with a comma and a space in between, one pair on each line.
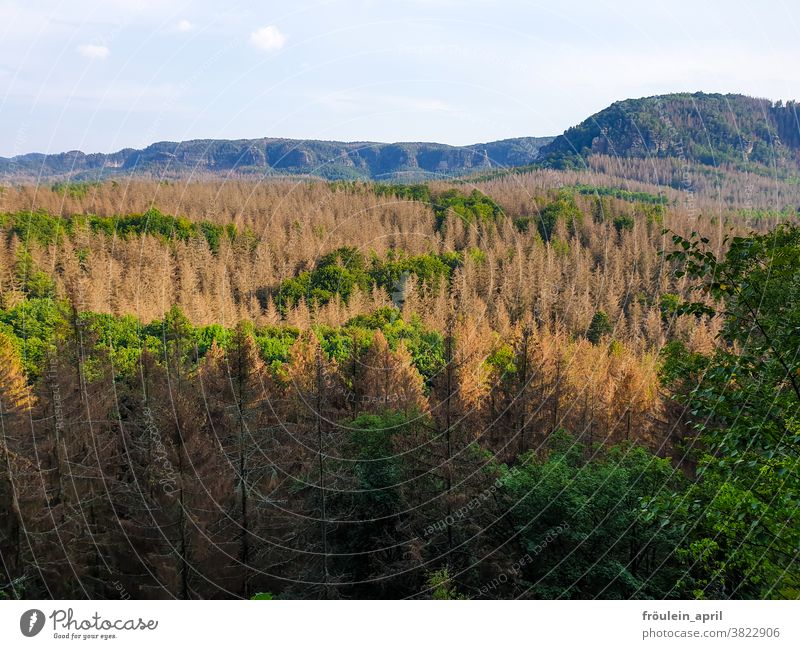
47, 229
340, 272
622, 194
586, 526
562, 210
474, 207
32, 325
420, 193
599, 327
744, 403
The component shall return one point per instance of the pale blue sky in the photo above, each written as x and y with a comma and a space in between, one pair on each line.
100, 76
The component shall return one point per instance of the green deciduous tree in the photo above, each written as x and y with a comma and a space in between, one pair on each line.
744, 404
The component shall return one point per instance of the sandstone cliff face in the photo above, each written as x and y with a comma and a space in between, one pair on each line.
271, 156
705, 128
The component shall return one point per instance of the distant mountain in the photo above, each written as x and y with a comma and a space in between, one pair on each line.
709, 129
334, 160
702, 128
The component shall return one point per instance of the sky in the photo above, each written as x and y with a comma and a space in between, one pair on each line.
100, 76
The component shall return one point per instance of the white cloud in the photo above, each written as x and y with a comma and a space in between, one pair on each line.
268, 38
185, 26
94, 51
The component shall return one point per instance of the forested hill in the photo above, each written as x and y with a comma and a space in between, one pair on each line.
710, 129
334, 160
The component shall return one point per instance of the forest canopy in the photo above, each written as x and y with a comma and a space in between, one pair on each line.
552, 384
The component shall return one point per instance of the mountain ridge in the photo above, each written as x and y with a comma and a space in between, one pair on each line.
706, 128
280, 156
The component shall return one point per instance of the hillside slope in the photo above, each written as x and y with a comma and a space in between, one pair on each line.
710, 129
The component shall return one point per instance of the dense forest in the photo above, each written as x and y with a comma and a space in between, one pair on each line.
537, 383
711, 129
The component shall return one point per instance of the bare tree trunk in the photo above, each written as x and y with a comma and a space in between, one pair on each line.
183, 562
321, 479
557, 395
448, 437
243, 476
522, 395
